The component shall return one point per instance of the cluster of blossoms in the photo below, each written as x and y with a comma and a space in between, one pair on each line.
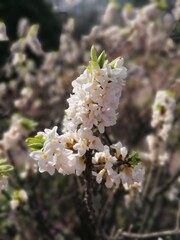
30, 72
162, 119
176, 11
131, 28
92, 107
163, 109
18, 129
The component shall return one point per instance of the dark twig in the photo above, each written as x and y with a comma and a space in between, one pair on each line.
107, 138
166, 186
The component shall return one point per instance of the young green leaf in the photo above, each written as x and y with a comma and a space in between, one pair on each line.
94, 64
35, 143
28, 124
2, 161
113, 63
5, 169
171, 93
93, 54
134, 158
101, 59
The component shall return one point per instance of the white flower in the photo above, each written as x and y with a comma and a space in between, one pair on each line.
164, 131
27, 92
151, 141
14, 204
107, 172
176, 10
3, 36
163, 158
130, 176
43, 163
23, 195
86, 140
18, 58
120, 150
138, 173
14, 133
46, 157
58, 153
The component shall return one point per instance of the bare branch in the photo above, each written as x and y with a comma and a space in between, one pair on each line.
120, 234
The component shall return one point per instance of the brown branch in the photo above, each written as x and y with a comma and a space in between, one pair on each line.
107, 137
88, 193
120, 234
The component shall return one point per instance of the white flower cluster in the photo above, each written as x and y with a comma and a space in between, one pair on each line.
146, 28
156, 151
116, 169
176, 11
162, 117
17, 130
92, 107
95, 98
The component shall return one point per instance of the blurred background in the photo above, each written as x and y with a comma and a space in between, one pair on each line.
43, 48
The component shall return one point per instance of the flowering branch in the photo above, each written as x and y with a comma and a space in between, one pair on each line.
92, 107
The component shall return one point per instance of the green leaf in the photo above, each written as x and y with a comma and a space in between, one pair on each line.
36, 143
161, 108
128, 6
101, 59
115, 3
134, 158
33, 30
162, 4
2, 161
94, 64
113, 63
93, 54
6, 168
89, 68
29, 124
171, 93
35, 146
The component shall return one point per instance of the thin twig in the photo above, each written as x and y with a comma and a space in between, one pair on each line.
107, 138
166, 186
144, 235
105, 207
